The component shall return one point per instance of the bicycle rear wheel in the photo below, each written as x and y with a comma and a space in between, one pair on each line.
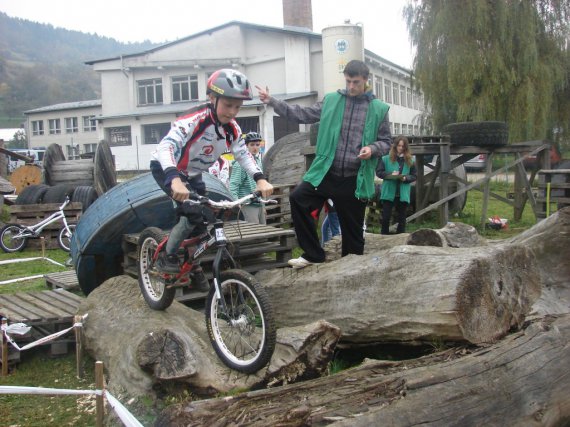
153, 287
244, 338
64, 237
8, 239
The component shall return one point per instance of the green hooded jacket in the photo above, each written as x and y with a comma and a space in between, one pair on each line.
327, 140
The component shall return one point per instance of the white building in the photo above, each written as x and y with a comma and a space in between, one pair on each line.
143, 93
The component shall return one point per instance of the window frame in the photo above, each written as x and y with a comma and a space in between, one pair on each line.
54, 126
191, 83
388, 91
71, 124
150, 89
37, 127
89, 123
395, 93
378, 87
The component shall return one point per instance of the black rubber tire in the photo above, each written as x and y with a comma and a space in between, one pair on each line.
8, 245
153, 289
63, 240
58, 193
32, 194
84, 194
478, 133
254, 319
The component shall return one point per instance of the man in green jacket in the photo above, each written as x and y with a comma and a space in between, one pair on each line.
354, 132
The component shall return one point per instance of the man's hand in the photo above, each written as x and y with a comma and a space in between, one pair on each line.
264, 187
179, 190
365, 153
263, 94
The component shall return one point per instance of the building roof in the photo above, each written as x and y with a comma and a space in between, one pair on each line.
182, 107
287, 30
67, 106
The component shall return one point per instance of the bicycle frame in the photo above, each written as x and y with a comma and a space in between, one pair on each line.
36, 229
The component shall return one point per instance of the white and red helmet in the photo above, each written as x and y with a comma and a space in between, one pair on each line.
229, 83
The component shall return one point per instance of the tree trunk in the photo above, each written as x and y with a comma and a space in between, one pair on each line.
520, 381
412, 293
147, 351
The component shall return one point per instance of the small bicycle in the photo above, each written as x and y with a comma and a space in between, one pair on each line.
14, 237
239, 316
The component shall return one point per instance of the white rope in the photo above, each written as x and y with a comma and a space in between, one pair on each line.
126, 417
23, 279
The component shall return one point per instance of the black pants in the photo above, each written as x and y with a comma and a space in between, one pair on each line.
305, 199
401, 208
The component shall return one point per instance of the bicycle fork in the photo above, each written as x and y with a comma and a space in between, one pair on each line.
221, 254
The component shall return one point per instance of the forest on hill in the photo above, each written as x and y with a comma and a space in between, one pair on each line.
42, 65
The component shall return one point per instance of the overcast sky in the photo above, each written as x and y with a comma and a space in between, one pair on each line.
385, 32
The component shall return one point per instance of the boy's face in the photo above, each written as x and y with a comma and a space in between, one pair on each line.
355, 86
254, 147
227, 108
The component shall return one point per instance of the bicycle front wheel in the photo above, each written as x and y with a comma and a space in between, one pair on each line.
153, 286
244, 336
64, 237
9, 239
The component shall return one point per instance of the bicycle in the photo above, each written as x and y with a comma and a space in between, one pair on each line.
239, 316
14, 237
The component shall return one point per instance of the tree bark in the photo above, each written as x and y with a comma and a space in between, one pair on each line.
147, 351
520, 381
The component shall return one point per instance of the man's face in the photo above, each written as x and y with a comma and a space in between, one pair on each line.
355, 86
227, 109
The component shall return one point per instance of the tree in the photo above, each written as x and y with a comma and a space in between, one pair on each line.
506, 60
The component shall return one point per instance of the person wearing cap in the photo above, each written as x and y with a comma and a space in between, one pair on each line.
354, 133
241, 184
195, 141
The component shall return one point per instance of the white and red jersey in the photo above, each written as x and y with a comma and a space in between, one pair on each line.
194, 143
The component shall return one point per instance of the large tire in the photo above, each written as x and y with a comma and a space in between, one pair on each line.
31, 195
85, 195
478, 133
245, 341
58, 193
153, 287
7, 242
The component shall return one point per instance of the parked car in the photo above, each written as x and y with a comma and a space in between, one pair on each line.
531, 162
477, 163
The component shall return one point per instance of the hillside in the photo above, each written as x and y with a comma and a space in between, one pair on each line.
42, 65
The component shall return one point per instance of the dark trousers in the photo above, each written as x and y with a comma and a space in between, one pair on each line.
306, 199
401, 208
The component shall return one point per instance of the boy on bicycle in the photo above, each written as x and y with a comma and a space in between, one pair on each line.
195, 141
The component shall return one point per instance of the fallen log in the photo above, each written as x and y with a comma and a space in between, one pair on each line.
147, 352
521, 380
412, 293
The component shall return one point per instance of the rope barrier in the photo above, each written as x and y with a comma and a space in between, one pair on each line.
23, 279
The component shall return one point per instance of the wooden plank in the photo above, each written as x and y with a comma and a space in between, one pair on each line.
64, 279
64, 296
12, 309
45, 307
21, 300
66, 308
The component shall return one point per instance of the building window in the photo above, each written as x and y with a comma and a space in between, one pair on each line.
150, 91
54, 126
38, 127
410, 98
119, 136
388, 91
89, 148
397, 128
391, 128
403, 96
378, 87
395, 93
89, 124
185, 88
72, 151
71, 125
152, 134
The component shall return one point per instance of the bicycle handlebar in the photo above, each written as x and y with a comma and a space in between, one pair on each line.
228, 204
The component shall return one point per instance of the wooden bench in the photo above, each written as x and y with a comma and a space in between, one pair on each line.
46, 312
255, 247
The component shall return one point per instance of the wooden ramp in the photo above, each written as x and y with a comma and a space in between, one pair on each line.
46, 312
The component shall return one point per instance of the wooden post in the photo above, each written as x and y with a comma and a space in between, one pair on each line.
78, 346
486, 190
99, 400
4, 349
444, 155
43, 243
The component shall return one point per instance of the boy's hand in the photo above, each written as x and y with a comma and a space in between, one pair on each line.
264, 187
179, 190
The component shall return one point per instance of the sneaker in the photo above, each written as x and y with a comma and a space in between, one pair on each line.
199, 281
168, 263
300, 262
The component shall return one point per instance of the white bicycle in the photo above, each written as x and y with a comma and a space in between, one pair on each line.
13, 237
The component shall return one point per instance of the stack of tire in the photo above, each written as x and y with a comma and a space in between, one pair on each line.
42, 194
